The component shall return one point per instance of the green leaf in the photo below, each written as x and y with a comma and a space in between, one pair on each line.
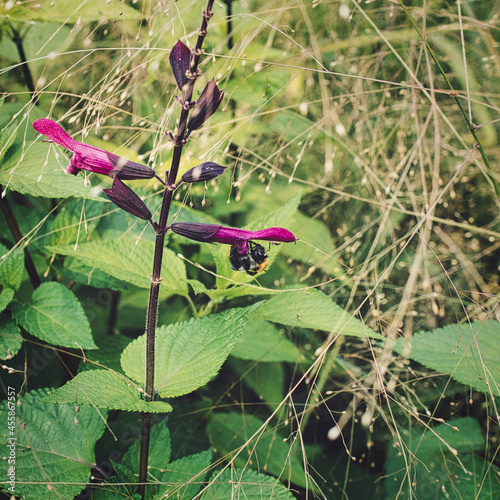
159, 449
77, 218
442, 461
257, 376
11, 267
319, 251
8, 135
188, 354
312, 309
92, 10
10, 338
6, 296
128, 260
247, 484
54, 447
267, 450
262, 341
37, 173
89, 276
182, 478
56, 316
108, 355
105, 389
470, 354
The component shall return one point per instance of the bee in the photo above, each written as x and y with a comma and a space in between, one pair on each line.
252, 262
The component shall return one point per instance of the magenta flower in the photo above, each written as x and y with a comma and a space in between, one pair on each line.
245, 255
93, 159
239, 238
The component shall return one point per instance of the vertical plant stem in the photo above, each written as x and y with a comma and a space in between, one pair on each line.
158, 255
28, 78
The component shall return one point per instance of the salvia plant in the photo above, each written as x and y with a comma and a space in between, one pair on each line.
164, 367
157, 347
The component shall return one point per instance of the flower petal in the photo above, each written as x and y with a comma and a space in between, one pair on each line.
91, 158
214, 233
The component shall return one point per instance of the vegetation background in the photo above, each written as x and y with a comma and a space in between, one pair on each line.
377, 374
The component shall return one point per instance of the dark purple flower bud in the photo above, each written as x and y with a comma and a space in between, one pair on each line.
89, 158
129, 170
180, 58
125, 198
206, 105
239, 238
203, 172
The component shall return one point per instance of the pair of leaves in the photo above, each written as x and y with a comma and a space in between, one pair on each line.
188, 355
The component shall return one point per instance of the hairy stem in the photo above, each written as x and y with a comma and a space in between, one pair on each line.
158, 255
28, 78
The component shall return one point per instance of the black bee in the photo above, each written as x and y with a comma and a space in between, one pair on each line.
252, 262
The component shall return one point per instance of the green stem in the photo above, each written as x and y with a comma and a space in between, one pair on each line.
158, 255
472, 128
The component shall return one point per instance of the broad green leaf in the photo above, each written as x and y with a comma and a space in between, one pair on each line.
108, 355
8, 135
56, 316
10, 338
41, 39
262, 341
245, 484
188, 354
38, 173
69, 12
159, 449
105, 389
257, 376
232, 431
54, 447
444, 460
11, 267
454, 350
6, 296
128, 260
319, 250
182, 478
312, 309
89, 275
76, 220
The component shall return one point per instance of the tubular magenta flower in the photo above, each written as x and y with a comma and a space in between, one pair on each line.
239, 238
93, 159
245, 255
